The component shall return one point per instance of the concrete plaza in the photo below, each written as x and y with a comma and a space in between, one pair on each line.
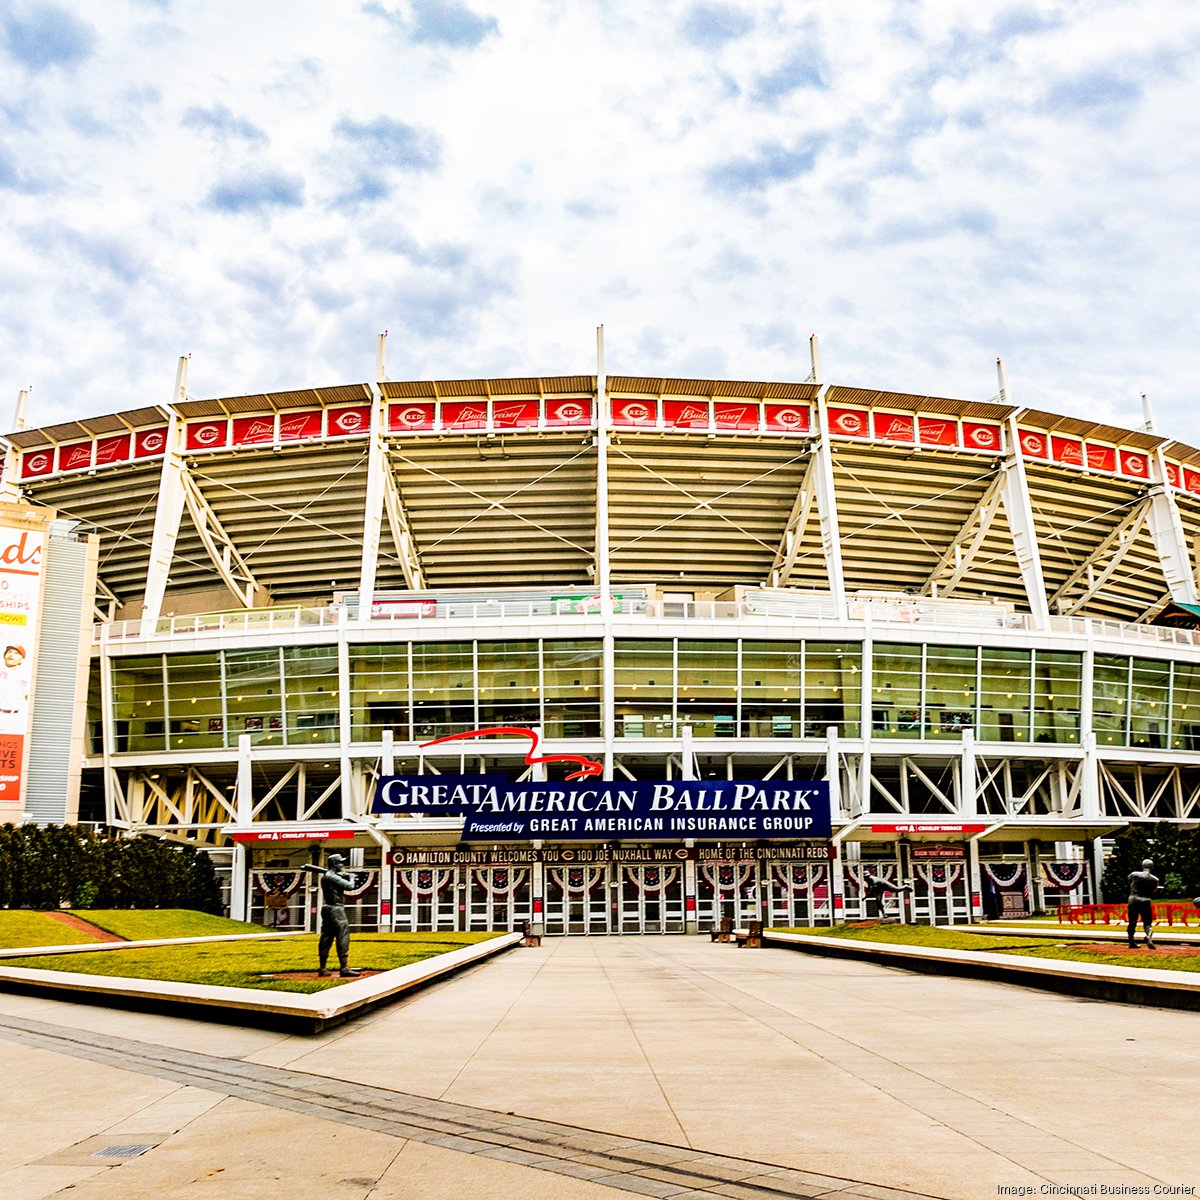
592, 1068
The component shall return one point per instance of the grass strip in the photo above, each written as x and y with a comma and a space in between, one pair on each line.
250, 964
1071, 949
150, 924
21, 927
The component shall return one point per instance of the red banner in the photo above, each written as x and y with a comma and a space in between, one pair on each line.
36, 462
1066, 450
894, 427
1174, 473
300, 426
75, 457
295, 835
735, 415
570, 411
635, 412
207, 435
343, 422
405, 417
1100, 458
1191, 481
937, 431
515, 414
686, 414
112, 449
1134, 462
150, 443
253, 431
464, 414
849, 422
1034, 443
979, 436
792, 418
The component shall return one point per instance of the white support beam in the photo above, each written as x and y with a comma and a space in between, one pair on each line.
600, 570
1170, 542
793, 531
1107, 557
967, 542
231, 566
169, 510
1018, 507
831, 539
10, 483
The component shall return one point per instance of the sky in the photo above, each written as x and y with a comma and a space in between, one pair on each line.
927, 185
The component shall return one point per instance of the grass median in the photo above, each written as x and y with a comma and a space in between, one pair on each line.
254, 964
1074, 947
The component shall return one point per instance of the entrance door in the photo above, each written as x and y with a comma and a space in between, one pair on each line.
499, 898
728, 888
423, 899
577, 900
798, 893
279, 899
941, 892
651, 898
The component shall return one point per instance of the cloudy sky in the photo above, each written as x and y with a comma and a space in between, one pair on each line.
927, 184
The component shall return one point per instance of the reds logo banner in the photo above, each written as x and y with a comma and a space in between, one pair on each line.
1134, 463
849, 422
343, 422
253, 431
635, 412
464, 414
894, 427
735, 416
1191, 481
792, 418
75, 457
149, 443
1174, 474
937, 431
568, 412
206, 435
978, 436
36, 462
1033, 444
402, 417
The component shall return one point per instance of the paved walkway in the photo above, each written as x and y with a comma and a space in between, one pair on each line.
594, 1068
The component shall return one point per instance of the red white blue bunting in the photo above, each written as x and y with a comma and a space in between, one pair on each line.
939, 877
499, 881
799, 878
278, 883
727, 876
576, 881
885, 871
1064, 875
651, 880
1009, 876
425, 881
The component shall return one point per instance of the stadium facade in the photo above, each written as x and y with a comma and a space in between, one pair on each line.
971, 621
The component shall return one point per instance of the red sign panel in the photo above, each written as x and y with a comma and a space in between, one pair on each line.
635, 412
299, 426
464, 414
894, 427
342, 422
75, 457
937, 431
1191, 481
36, 462
849, 422
403, 417
686, 414
149, 443
735, 414
515, 414
294, 835
793, 418
1066, 450
1174, 474
253, 431
1135, 463
207, 435
976, 435
1100, 458
927, 827
570, 411
938, 850
112, 449
1034, 443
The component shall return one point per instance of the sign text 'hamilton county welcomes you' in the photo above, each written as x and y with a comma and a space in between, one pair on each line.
497, 809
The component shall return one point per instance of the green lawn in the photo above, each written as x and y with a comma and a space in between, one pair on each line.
244, 964
947, 939
148, 924
20, 927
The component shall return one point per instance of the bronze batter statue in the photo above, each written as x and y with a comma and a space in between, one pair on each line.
335, 926
1142, 886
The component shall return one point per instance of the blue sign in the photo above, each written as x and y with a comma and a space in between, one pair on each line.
497, 809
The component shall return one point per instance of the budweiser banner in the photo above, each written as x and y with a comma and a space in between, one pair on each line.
21, 552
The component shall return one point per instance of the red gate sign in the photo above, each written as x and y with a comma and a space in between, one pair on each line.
515, 414
937, 431
894, 427
345, 422
75, 457
978, 435
253, 431
730, 415
464, 414
300, 426
790, 418
294, 835
405, 417
686, 414
207, 435
112, 449
570, 411
849, 422
635, 412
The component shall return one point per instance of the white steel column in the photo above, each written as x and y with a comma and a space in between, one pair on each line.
831, 539
968, 777
348, 789
107, 728
1018, 508
1170, 541
171, 499
602, 571
243, 802
687, 770
833, 774
372, 509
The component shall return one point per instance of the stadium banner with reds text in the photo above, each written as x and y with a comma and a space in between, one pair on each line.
497, 809
21, 552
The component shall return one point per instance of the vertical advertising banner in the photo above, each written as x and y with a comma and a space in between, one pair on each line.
20, 593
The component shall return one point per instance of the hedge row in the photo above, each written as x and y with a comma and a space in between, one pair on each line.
53, 866
1175, 853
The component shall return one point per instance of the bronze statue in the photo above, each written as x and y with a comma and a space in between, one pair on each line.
1142, 886
335, 926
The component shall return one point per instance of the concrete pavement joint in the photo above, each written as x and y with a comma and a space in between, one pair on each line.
642, 1167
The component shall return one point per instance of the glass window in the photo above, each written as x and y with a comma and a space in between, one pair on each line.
509, 692
443, 683
1057, 686
196, 715
311, 695
1149, 695
832, 687
772, 701
1004, 692
1185, 706
950, 697
896, 703
1110, 692
708, 687
253, 696
379, 691
139, 711
572, 686
644, 672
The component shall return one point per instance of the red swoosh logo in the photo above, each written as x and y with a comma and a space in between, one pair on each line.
587, 766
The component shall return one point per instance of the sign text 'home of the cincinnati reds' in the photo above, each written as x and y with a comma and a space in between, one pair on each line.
497, 809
